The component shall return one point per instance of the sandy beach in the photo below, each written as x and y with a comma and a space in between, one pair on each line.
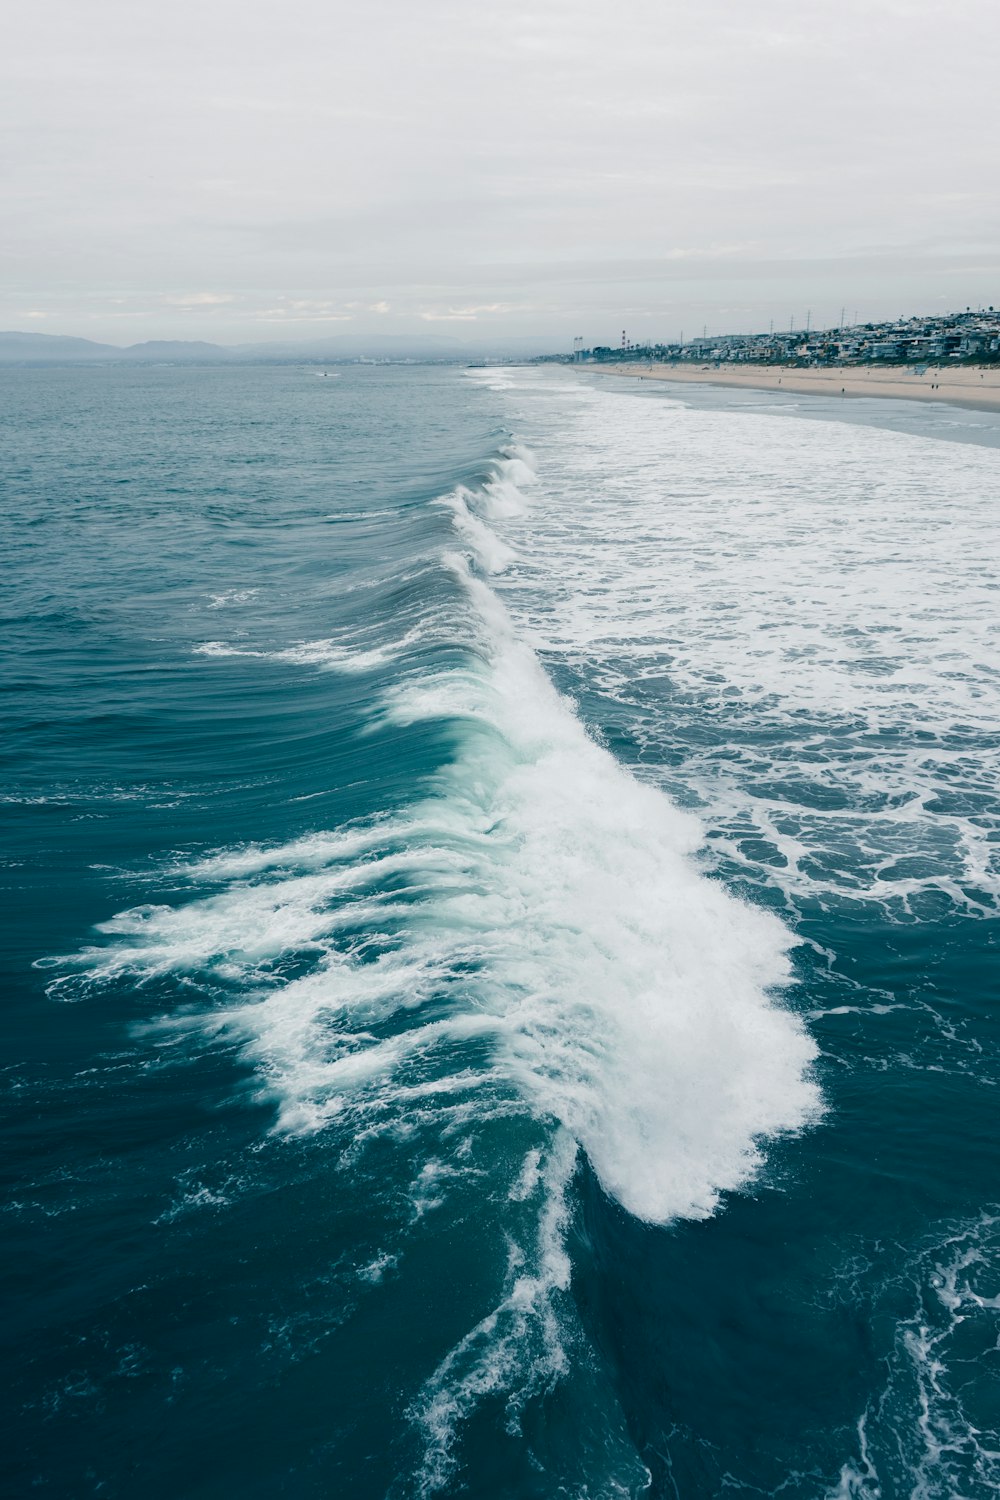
968, 386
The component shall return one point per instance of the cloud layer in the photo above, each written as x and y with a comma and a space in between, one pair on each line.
232, 170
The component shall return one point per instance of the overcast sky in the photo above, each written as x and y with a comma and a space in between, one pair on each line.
250, 170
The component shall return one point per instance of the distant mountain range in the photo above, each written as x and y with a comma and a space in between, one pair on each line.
47, 348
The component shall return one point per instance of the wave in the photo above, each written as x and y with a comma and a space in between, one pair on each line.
531, 940
541, 900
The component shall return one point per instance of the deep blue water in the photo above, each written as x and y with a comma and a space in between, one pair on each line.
500, 878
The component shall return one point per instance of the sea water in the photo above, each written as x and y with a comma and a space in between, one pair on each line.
501, 872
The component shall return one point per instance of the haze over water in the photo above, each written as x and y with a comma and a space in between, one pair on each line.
502, 876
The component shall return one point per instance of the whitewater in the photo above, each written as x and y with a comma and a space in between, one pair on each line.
597, 1024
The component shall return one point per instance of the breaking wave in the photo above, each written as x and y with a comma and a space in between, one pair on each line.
532, 938
540, 907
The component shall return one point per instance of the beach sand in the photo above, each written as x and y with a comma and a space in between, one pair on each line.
967, 386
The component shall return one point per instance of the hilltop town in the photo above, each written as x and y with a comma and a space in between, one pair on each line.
969, 337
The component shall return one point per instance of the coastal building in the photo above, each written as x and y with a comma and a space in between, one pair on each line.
969, 336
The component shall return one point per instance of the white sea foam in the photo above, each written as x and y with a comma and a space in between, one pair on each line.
830, 584
503, 494
491, 554
232, 596
334, 654
517, 1349
502, 497
629, 988
933, 1432
858, 1480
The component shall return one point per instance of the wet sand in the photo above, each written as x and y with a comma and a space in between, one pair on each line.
968, 386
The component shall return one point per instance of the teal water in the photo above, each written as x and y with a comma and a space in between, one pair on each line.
501, 875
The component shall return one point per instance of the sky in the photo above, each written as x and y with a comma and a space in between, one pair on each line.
248, 170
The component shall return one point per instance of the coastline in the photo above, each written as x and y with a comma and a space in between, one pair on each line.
970, 386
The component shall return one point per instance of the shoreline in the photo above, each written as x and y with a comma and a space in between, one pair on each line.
971, 386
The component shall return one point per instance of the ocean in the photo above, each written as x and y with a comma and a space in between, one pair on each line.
500, 873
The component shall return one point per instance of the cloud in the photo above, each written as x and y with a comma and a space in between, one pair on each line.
466, 314
424, 161
200, 299
301, 310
